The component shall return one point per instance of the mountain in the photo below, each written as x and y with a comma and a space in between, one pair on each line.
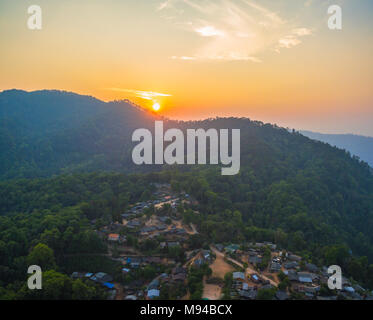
303, 194
359, 146
52, 132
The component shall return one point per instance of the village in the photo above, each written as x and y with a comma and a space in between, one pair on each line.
153, 247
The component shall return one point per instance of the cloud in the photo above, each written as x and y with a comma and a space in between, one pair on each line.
236, 30
209, 31
293, 39
164, 5
230, 56
288, 42
183, 58
302, 32
147, 95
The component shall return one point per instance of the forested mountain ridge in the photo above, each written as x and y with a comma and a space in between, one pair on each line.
357, 145
52, 132
302, 194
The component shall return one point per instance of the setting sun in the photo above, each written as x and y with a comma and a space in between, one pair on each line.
156, 106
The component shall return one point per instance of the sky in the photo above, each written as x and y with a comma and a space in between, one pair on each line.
270, 60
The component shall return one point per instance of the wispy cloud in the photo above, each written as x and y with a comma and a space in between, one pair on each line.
163, 5
147, 95
209, 31
293, 39
183, 58
234, 30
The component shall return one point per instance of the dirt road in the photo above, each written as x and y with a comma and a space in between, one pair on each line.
248, 270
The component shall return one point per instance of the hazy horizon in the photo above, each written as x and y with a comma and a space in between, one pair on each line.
202, 118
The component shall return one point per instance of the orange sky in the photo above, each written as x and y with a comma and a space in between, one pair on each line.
270, 61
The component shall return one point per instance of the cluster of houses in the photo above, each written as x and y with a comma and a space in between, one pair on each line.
102, 278
177, 275
305, 278
166, 224
201, 257
135, 223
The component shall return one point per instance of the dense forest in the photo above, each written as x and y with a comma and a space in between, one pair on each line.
65, 160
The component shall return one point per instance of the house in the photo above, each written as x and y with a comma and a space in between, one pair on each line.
255, 259
311, 291
349, 289
267, 286
305, 277
77, 275
311, 267
146, 230
179, 277
180, 231
251, 294
281, 295
275, 267
259, 245
153, 293
125, 270
113, 237
232, 248
293, 257
291, 265
163, 219
238, 276
161, 227
255, 278
101, 277
206, 254
198, 262
133, 262
153, 285
326, 298
155, 260
178, 270
108, 285
133, 223
291, 274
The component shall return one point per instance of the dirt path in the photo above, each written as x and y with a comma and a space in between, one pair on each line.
220, 267
211, 291
193, 228
119, 288
248, 270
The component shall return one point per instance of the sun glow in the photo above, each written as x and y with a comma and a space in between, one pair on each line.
156, 106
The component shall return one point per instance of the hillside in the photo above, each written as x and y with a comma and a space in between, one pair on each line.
302, 194
359, 146
52, 132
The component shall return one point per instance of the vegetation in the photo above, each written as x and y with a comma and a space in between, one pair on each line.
303, 195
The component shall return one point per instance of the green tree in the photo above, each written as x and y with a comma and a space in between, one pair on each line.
42, 256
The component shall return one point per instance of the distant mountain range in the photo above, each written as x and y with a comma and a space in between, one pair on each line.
360, 146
